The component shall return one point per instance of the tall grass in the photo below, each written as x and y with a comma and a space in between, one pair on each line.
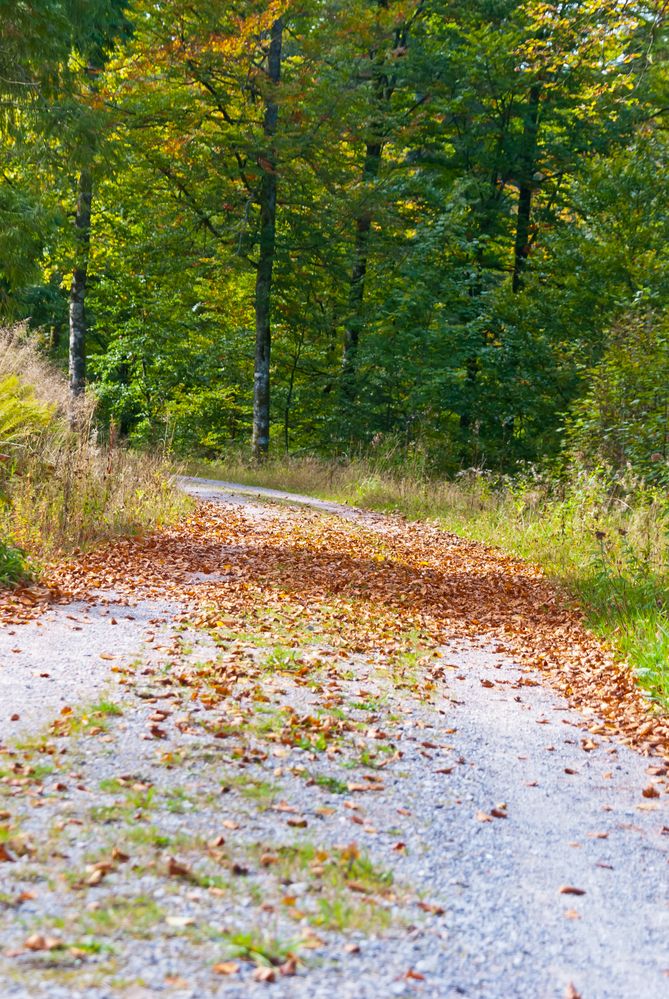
605, 544
61, 490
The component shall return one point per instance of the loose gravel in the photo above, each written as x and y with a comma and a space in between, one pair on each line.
419, 846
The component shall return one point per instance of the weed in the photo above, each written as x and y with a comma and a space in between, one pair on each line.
331, 784
106, 708
260, 948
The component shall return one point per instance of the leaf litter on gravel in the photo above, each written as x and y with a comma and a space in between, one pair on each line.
334, 593
366, 587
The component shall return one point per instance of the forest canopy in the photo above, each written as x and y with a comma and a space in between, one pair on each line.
322, 225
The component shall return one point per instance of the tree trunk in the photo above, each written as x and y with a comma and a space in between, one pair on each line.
77, 353
267, 202
384, 87
526, 187
356, 294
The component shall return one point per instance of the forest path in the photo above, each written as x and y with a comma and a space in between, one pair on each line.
328, 765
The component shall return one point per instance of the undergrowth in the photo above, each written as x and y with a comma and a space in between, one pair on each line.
60, 489
607, 545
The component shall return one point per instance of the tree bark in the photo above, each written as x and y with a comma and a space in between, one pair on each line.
263, 290
384, 87
363, 226
77, 305
526, 187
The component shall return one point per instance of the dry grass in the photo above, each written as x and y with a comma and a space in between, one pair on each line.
62, 491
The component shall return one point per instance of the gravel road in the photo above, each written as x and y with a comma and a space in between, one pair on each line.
525, 859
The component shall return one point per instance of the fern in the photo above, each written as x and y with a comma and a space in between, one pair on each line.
21, 415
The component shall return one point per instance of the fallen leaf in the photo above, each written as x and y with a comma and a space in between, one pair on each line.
264, 975
414, 975
571, 890
180, 921
289, 967
37, 941
176, 869
226, 968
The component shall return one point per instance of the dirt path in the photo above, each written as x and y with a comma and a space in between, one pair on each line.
309, 760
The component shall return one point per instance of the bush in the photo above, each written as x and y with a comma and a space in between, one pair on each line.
623, 421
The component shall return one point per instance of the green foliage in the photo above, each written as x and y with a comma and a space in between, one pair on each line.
13, 564
623, 420
21, 416
494, 173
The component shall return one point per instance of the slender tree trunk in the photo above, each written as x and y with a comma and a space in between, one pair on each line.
384, 87
526, 187
363, 226
263, 293
77, 353
289, 396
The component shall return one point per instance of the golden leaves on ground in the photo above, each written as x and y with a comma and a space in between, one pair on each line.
364, 588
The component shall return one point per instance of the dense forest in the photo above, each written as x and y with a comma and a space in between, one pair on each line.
323, 226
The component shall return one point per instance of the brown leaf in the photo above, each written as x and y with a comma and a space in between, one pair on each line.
176, 869
571, 890
6, 855
264, 975
226, 968
650, 792
37, 941
289, 967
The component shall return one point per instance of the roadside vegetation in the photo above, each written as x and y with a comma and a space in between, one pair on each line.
605, 546
62, 490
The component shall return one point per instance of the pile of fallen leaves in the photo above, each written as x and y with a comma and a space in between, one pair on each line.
367, 587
